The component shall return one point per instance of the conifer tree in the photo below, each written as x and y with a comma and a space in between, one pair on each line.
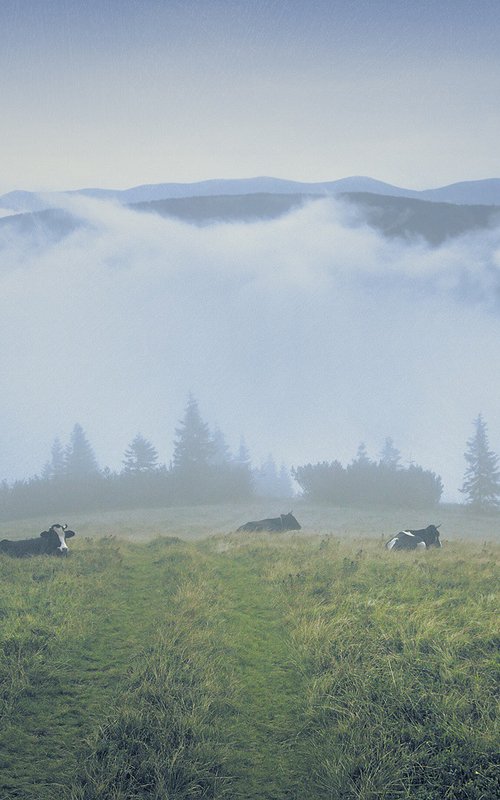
482, 477
56, 467
193, 447
362, 458
221, 452
80, 459
390, 455
140, 456
243, 455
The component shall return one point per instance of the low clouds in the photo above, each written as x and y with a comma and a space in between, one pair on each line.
307, 334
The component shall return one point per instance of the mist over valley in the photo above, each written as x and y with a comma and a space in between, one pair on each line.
306, 324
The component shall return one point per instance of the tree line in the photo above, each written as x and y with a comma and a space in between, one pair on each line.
203, 470
385, 482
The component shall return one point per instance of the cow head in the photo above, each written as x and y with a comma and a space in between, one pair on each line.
55, 539
289, 522
433, 539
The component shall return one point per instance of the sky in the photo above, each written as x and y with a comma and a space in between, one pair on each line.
116, 93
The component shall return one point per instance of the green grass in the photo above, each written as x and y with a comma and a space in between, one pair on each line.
252, 667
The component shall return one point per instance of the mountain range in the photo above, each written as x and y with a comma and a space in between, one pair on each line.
482, 192
394, 212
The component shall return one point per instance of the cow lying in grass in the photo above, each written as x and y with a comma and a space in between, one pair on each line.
51, 543
285, 522
413, 540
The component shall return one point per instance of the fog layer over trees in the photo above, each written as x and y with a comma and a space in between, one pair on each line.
305, 334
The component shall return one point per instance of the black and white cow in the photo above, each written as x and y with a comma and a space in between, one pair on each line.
411, 540
51, 542
285, 522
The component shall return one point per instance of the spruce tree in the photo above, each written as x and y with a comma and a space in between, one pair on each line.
390, 455
194, 447
221, 452
242, 465
80, 459
56, 467
140, 456
243, 455
362, 458
482, 477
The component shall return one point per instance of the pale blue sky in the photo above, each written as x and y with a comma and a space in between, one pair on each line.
116, 93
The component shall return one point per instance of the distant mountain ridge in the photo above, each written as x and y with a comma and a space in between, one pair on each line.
481, 192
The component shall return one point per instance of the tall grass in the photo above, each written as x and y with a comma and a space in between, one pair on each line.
401, 664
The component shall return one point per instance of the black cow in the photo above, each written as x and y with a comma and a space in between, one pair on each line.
411, 540
285, 522
51, 542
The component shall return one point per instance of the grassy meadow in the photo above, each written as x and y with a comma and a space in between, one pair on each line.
168, 657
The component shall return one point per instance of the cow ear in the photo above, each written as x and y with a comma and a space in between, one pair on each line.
69, 534
44, 533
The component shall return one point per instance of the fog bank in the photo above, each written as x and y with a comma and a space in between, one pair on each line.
307, 334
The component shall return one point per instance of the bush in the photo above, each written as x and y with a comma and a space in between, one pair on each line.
369, 484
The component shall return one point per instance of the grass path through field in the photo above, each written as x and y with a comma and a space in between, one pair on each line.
224, 622
264, 729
